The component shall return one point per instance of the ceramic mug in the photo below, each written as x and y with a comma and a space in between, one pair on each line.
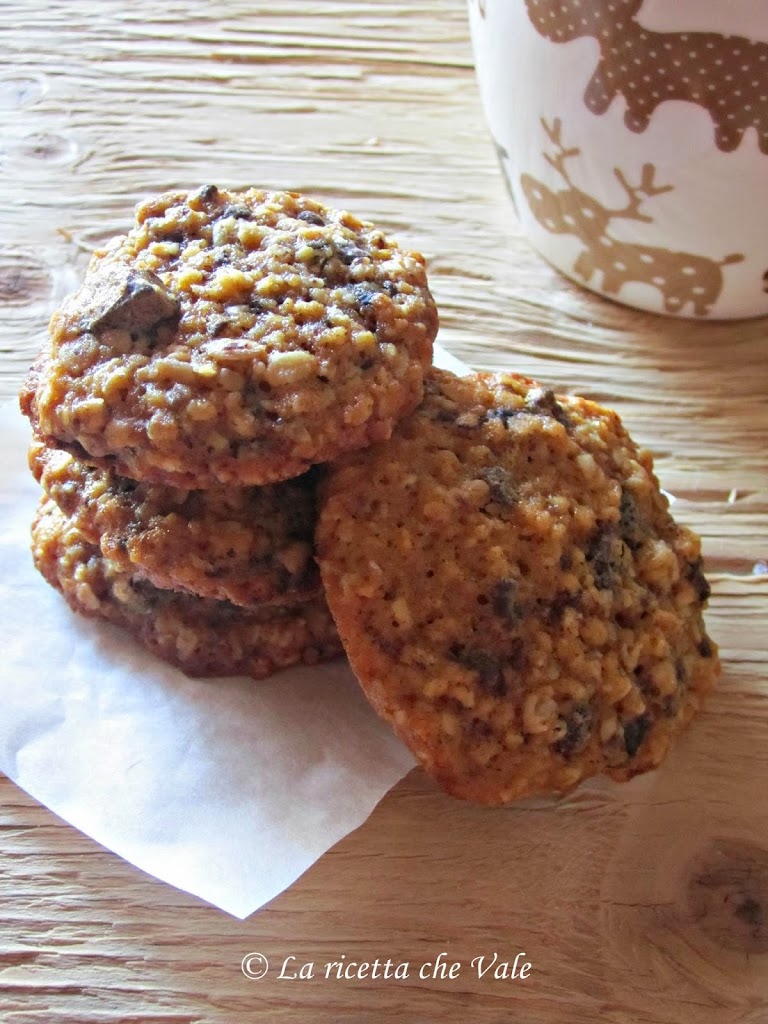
633, 135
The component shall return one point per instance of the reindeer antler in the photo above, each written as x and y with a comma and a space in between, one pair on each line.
646, 181
554, 134
646, 188
554, 130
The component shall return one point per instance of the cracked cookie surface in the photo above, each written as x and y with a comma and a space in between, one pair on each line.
234, 338
200, 636
512, 591
247, 545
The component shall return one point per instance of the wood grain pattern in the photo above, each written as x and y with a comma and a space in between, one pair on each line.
643, 904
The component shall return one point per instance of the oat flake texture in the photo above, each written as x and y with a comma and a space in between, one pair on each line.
200, 636
512, 592
247, 545
234, 338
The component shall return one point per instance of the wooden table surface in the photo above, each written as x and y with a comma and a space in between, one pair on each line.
641, 904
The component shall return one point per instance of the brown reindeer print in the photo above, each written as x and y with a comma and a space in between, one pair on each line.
681, 277
726, 75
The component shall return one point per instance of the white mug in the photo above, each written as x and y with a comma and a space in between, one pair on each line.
633, 135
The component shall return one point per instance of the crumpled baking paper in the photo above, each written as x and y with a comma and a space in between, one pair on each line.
229, 789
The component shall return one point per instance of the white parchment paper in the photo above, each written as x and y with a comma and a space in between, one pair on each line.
229, 789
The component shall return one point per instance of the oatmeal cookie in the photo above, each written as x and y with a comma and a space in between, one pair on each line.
247, 545
234, 338
202, 637
512, 591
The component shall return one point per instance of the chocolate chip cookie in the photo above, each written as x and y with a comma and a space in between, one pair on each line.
513, 592
247, 545
234, 338
200, 636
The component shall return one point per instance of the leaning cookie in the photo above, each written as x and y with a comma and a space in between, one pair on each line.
512, 591
200, 636
234, 338
247, 545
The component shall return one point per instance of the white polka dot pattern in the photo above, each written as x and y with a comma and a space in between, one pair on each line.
686, 281
726, 75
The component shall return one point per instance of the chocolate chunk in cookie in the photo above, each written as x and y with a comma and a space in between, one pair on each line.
131, 301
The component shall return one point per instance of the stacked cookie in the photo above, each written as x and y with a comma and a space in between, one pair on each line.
226, 345
242, 391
